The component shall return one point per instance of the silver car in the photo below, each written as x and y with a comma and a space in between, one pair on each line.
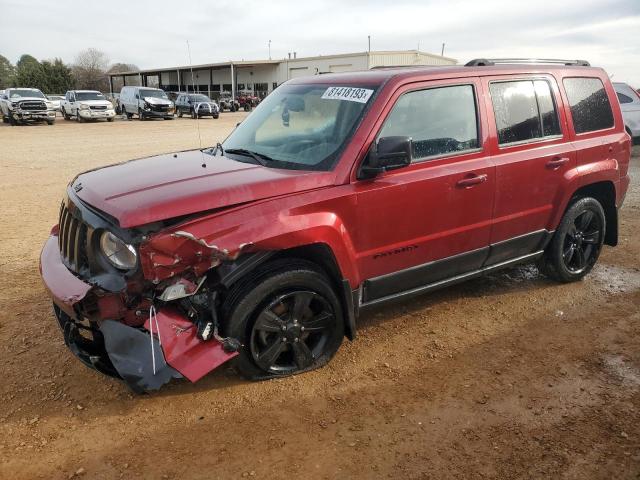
630, 106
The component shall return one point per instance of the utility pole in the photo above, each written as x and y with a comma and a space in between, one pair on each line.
269, 49
442, 52
369, 39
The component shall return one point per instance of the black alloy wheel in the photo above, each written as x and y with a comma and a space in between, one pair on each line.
291, 332
577, 243
582, 242
288, 318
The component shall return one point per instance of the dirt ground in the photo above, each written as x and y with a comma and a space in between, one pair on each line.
510, 376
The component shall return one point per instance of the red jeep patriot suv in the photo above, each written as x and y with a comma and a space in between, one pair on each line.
339, 192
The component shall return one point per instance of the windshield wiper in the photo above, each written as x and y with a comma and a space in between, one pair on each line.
260, 158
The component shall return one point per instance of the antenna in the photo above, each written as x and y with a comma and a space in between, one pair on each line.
193, 88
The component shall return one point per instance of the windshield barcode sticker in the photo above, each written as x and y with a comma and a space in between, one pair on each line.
351, 94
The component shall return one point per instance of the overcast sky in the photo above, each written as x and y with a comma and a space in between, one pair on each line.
154, 33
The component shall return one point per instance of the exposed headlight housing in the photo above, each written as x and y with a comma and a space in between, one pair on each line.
120, 254
15, 104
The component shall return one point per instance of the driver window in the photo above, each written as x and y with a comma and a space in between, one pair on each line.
440, 121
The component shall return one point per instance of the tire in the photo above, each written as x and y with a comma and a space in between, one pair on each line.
79, 119
140, 115
50, 122
12, 121
577, 243
118, 109
64, 114
110, 119
274, 344
215, 117
179, 113
247, 107
194, 115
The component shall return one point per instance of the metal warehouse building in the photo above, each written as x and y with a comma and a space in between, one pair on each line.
260, 77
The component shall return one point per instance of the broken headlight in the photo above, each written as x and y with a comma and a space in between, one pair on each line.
120, 254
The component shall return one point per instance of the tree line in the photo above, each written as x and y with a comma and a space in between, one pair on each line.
89, 71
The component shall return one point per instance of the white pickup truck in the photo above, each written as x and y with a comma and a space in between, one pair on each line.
22, 105
86, 105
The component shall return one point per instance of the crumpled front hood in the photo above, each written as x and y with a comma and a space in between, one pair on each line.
157, 101
158, 188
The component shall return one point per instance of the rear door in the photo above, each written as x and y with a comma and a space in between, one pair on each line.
532, 153
431, 220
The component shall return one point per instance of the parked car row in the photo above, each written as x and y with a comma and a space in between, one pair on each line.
21, 105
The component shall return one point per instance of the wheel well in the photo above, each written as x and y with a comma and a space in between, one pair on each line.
320, 255
605, 193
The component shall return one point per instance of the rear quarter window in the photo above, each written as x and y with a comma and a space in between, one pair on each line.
589, 103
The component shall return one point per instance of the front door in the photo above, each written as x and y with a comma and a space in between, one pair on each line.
429, 221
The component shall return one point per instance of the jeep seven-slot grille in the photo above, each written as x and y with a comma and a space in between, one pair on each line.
72, 240
33, 105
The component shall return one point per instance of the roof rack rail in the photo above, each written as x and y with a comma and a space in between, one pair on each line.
483, 62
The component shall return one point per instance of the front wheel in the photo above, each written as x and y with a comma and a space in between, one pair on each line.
287, 317
140, 115
577, 242
194, 115
50, 122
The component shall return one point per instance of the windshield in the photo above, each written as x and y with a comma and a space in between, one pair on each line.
25, 93
89, 96
153, 93
199, 98
301, 126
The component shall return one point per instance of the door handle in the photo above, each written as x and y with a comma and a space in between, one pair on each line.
471, 181
557, 162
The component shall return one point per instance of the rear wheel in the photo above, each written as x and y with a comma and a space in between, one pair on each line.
577, 243
288, 319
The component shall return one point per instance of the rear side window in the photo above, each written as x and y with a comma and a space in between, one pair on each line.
590, 107
440, 120
524, 111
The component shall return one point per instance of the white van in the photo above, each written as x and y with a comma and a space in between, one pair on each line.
145, 102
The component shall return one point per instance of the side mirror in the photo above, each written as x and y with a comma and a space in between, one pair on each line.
137, 96
390, 153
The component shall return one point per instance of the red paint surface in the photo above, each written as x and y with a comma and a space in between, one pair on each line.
185, 352
64, 287
357, 219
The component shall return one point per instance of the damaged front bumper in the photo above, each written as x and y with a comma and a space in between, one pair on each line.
144, 361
